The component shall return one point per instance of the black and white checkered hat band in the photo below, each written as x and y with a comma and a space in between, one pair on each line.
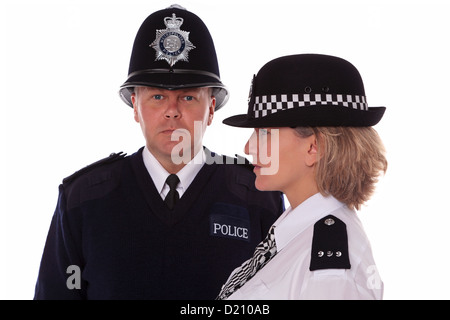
265, 105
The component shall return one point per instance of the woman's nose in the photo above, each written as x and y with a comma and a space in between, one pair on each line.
251, 147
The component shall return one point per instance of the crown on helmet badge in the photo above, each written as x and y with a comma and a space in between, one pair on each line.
172, 44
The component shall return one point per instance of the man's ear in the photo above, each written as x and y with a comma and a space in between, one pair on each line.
212, 107
135, 110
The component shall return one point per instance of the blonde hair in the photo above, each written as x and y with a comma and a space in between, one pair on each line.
350, 162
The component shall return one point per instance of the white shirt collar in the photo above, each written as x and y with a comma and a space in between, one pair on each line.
294, 221
159, 175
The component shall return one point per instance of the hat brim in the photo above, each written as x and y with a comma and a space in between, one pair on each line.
311, 116
174, 82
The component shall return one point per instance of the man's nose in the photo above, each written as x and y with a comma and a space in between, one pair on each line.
172, 111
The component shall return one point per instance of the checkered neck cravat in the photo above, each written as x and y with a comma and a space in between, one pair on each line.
265, 251
172, 196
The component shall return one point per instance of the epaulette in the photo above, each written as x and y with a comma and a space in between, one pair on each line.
330, 245
111, 158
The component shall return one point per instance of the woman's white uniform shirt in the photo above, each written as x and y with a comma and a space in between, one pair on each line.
288, 275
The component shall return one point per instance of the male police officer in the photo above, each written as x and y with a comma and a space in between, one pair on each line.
120, 229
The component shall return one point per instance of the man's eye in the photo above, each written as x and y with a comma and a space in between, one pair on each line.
157, 97
188, 98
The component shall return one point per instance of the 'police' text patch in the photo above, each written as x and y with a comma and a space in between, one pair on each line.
229, 221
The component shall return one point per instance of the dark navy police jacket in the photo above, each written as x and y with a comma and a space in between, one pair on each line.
112, 237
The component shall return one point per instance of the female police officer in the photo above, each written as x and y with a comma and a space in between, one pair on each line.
311, 110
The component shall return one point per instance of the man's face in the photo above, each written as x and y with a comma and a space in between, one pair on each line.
160, 112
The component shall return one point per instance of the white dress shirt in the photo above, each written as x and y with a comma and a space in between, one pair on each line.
287, 275
159, 175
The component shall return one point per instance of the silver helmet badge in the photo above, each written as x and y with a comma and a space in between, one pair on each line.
172, 44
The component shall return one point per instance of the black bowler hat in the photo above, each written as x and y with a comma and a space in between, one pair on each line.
307, 90
173, 49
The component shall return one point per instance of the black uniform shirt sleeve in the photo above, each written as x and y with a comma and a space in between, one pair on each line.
62, 260
60, 263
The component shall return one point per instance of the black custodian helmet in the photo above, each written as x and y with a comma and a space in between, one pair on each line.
173, 49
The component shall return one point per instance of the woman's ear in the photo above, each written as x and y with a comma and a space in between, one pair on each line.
313, 151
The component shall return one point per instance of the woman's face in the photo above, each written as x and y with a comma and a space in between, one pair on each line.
283, 160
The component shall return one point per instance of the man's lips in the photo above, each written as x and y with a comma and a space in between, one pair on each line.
172, 130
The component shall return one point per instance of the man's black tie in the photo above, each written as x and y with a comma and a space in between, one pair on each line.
173, 196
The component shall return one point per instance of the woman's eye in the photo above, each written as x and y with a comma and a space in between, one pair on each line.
263, 131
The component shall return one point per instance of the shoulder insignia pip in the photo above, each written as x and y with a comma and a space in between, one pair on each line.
111, 158
330, 245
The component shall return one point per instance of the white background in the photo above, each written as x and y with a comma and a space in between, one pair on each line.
63, 62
